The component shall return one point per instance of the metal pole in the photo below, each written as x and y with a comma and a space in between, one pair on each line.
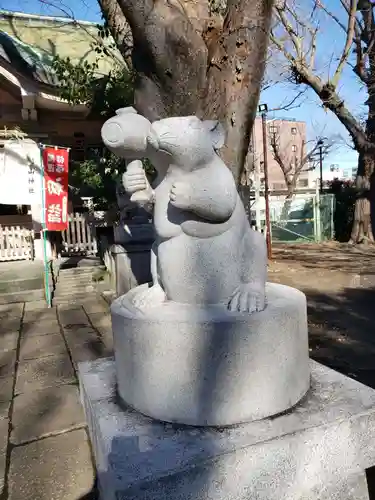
317, 216
266, 189
44, 232
257, 192
321, 168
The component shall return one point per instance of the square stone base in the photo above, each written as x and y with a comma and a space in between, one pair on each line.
318, 451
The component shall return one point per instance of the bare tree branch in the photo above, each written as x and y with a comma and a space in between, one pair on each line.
289, 104
348, 43
292, 166
65, 10
290, 30
304, 74
360, 32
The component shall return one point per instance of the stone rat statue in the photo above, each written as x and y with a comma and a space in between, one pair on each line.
205, 252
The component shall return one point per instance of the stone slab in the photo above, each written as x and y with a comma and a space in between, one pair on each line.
132, 269
6, 395
86, 350
36, 374
6, 389
80, 332
39, 346
31, 316
36, 305
21, 269
7, 363
4, 409
55, 468
8, 341
319, 449
14, 297
96, 306
100, 320
45, 412
72, 316
106, 336
9, 325
21, 285
36, 327
11, 310
4, 427
353, 487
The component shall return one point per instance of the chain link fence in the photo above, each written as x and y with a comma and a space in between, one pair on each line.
306, 218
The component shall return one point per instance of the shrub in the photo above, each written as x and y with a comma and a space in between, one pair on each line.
345, 197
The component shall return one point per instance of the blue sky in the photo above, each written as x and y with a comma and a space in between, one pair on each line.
81, 9
319, 122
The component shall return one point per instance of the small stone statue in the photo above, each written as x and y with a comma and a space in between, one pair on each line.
199, 347
205, 252
129, 209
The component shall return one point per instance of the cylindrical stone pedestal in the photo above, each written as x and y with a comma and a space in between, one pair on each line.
209, 366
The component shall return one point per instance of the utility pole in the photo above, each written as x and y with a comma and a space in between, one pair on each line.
263, 108
256, 164
320, 144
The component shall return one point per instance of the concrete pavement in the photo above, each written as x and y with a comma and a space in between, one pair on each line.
44, 449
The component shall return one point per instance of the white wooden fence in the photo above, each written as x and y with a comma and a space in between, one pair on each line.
16, 243
80, 237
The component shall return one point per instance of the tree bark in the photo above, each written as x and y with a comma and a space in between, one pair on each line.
188, 62
235, 75
118, 27
169, 58
362, 231
364, 213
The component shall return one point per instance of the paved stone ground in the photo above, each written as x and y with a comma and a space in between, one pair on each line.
44, 448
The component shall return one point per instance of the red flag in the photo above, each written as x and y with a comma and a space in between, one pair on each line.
56, 165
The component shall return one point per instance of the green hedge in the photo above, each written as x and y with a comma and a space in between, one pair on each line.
345, 196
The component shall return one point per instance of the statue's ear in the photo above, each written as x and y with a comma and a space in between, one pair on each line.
125, 111
217, 133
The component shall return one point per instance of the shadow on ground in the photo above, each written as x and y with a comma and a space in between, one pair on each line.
333, 256
341, 331
342, 336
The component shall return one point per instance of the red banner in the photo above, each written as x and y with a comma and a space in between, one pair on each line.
56, 164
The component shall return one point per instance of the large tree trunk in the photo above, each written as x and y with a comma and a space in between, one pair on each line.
362, 231
364, 215
190, 62
235, 75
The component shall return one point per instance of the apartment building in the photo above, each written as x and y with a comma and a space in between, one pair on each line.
290, 139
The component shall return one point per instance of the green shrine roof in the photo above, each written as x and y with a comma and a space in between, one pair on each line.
29, 44
27, 60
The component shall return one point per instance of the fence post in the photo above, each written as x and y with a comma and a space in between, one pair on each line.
332, 217
317, 216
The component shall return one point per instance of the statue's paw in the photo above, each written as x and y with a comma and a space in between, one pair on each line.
151, 297
247, 299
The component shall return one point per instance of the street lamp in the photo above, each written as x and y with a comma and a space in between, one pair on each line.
263, 108
320, 146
